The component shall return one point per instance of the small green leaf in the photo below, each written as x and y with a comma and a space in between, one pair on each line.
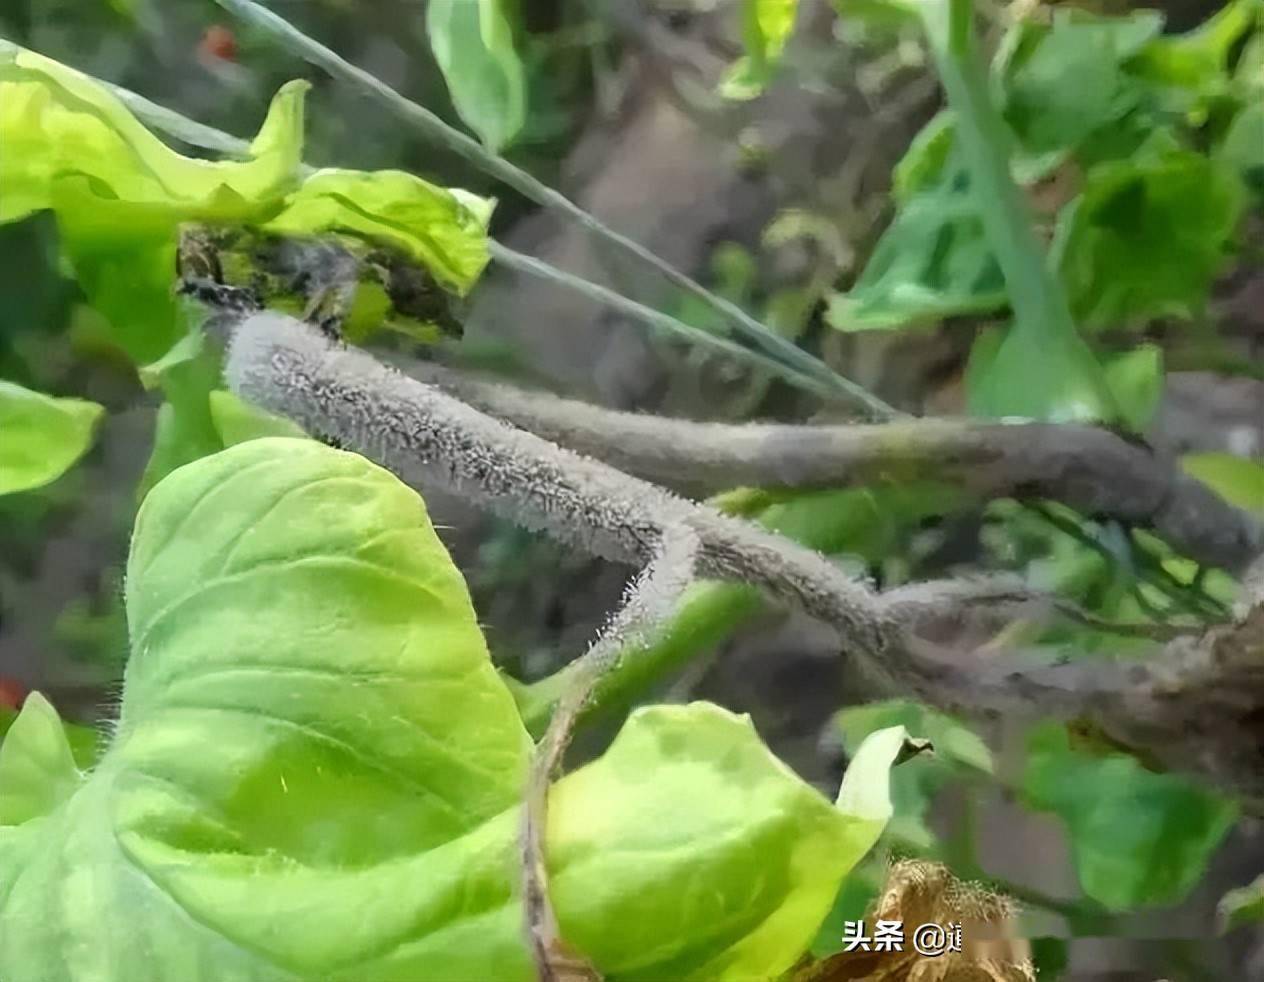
236, 421
1199, 59
41, 437
1135, 379
766, 26
1242, 906
956, 753
932, 262
1138, 838
1236, 479
1147, 236
1243, 146
926, 159
442, 229
184, 430
473, 42
37, 768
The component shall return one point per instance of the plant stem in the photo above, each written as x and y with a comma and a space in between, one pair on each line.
1038, 300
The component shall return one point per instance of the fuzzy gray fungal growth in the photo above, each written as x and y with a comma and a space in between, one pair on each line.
1208, 684
431, 439
648, 604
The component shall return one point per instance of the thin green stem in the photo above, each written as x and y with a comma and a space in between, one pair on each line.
427, 123
1038, 300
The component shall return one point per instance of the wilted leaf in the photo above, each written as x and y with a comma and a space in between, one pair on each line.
473, 42
41, 437
1139, 838
119, 192
921, 893
317, 770
443, 230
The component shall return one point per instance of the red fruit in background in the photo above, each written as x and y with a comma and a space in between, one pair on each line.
12, 693
218, 42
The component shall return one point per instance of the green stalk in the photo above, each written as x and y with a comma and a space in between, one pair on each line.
1042, 314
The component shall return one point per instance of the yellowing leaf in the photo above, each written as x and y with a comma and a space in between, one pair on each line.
443, 230
317, 774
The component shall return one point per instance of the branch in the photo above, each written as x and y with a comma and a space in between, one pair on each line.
1194, 705
1092, 470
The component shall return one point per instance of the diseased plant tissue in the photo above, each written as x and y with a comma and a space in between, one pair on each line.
317, 762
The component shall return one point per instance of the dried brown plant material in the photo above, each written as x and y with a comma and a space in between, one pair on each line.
917, 893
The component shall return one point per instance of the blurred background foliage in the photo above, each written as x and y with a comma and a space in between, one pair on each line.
803, 166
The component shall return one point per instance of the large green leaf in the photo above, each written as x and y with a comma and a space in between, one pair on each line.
1063, 80
1147, 236
473, 41
316, 774
1139, 838
41, 437
445, 230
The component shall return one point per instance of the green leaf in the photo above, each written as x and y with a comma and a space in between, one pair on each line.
1243, 146
1236, 479
1012, 372
184, 430
1135, 379
119, 192
443, 229
957, 752
37, 768
766, 26
317, 770
932, 262
41, 437
1063, 81
1242, 906
473, 42
1138, 838
1200, 59
1147, 236
236, 421
926, 159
